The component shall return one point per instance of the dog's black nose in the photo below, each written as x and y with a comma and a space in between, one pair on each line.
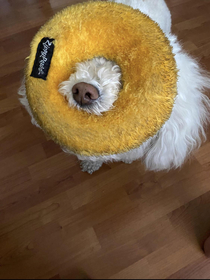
84, 94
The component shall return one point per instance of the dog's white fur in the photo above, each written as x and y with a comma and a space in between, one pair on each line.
25, 103
182, 133
103, 74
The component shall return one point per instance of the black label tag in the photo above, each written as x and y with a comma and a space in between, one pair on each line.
43, 58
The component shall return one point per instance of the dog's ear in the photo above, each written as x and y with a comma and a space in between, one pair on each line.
24, 101
184, 131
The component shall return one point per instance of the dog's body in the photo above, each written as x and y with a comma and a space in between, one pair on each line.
184, 130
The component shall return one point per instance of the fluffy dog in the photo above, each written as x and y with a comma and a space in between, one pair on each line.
95, 85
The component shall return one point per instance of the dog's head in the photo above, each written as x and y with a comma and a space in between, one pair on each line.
94, 86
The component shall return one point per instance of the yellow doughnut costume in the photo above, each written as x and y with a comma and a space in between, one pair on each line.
149, 77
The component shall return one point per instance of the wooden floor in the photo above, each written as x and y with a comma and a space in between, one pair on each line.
121, 222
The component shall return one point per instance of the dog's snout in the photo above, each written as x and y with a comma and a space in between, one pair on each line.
84, 93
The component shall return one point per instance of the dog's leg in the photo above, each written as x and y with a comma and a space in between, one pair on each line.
90, 166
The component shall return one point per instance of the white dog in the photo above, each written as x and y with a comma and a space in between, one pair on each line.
95, 85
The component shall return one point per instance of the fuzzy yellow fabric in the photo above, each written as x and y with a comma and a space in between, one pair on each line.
137, 44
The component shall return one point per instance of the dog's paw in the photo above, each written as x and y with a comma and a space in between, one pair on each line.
127, 161
90, 166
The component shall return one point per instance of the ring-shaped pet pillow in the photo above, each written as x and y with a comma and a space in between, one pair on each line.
149, 77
